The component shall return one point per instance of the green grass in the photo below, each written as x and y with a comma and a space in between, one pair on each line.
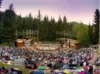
23, 69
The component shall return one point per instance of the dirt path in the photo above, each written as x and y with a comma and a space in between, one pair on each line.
94, 54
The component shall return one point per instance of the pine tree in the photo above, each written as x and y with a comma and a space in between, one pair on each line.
29, 22
65, 27
11, 7
59, 25
96, 26
8, 21
90, 32
38, 23
45, 28
52, 29
0, 3
18, 22
1, 15
39, 17
1, 31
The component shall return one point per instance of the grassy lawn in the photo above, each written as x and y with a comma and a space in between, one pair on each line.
23, 69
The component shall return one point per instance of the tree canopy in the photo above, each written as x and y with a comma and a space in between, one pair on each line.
48, 27
0, 3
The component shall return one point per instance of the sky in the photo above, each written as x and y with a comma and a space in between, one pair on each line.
74, 10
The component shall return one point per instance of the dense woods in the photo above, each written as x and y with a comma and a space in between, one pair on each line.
86, 34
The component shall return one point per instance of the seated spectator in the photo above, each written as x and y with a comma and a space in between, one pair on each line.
3, 70
91, 69
36, 72
47, 71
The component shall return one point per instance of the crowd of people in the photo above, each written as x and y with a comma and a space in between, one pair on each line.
4, 70
55, 61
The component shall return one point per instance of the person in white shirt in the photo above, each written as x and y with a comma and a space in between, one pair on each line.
84, 63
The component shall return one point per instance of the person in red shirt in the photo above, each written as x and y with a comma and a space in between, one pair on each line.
3, 70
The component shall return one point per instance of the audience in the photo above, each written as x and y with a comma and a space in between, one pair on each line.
55, 60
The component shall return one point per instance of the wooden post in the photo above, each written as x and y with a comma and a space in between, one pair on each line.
16, 34
37, 34
31, 33
23, 34
34, 33
64, 35
27, 33
56, 34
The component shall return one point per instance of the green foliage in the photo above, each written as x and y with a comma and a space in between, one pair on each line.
1, 15
52, 30
0, 3
60, 25
90, 32
48, 28
82, 33
96, 26
94, 29
8, 25
1, 31
65, 25
18, 22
